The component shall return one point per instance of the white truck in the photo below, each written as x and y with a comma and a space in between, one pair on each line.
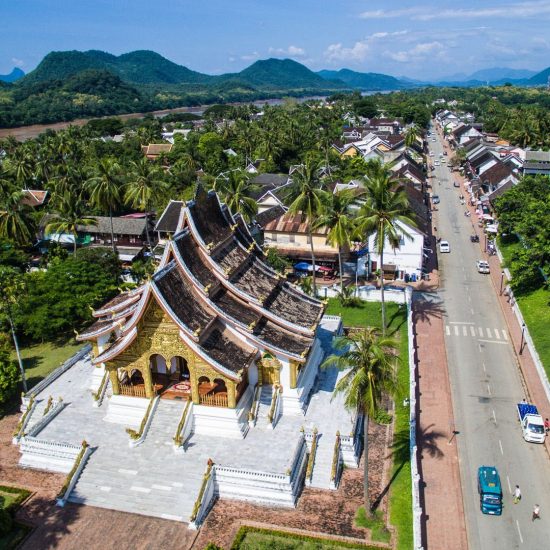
531, 423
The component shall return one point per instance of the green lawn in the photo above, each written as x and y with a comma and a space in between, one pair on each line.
400, 499
41, 359
251, 538
535, 308
10, 499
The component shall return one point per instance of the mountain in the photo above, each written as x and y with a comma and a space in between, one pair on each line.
16, 74
365, 81
499, 73
540, 78
139, 67
281, 74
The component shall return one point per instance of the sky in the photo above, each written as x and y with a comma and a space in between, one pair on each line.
424, 40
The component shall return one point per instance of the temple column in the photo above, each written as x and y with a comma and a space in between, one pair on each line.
115, 383
148, 381
293, 373
231, 397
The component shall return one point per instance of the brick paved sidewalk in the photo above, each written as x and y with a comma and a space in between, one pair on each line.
444, 527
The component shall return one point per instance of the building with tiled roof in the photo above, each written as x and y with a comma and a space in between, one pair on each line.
212, 323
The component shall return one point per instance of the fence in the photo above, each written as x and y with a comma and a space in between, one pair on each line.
415, 476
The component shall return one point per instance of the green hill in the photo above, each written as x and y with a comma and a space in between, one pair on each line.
540, 78
365, 81
15, 74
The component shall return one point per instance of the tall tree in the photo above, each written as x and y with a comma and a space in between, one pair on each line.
335, 216
69, 216
411, 133
369, 364
105, 189
146, 180
16, 221
236, 190
384, 211
305, 198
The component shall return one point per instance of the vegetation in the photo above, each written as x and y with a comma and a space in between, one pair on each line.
374, 522
11, 532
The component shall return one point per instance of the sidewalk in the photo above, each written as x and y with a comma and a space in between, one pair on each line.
443, 526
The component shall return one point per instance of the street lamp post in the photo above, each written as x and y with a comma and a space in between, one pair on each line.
522, 338
501, 282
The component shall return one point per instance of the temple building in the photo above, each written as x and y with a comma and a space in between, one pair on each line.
213, 322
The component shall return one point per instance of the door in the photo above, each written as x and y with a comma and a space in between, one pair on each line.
270, 375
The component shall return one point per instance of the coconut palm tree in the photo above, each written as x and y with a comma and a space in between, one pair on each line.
105, 189
411, 133
236, 190
336, 217
384, 209
16, 221
69, 216
369, 363
305, 197
146, 180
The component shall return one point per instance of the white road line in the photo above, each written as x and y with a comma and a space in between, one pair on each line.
479, 346
129, 472
473, 331
461, 323
484, 368
480, 330
519, 531
456, 330
469, 298
492, 341
140, 489
509, 484
488, 389
489, 333
505, 334
494, 416
497, 335
447, 330
464, 331
472, 311
500, 445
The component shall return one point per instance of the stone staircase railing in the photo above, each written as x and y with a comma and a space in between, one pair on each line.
253, 414
275, 408
137, 438
47, 455
336, 463
74, 474
205, 498
351, 445
49, 415
183, 431
312, 439
22, 424
100, 393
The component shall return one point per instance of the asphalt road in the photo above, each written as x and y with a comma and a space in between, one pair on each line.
486, 386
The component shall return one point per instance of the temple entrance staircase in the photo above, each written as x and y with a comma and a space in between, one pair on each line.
265, 404
135, 481
322, 467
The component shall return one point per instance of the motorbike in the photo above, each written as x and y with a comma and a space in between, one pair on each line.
474, 238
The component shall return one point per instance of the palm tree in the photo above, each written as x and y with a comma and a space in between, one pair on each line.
369, 361
238, 193
305, 197
69, 217
384, 210
16, 219
104, 189
335, 216
146, 180
411, 133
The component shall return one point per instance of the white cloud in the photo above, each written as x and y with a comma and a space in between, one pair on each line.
337, 52
17, 62
418, 52
537, 8
291, 51
250, 56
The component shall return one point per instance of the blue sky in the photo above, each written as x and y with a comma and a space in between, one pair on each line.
428, 40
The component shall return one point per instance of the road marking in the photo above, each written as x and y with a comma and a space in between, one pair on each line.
489, 333
140, 489
500, 445
447, 330
480, 330
494, 416
519, 531
464, 331
129, 472
509, 484
484, 369
488, 389
472, 310
497, 335
105, 489
161, 487
469, 298
473, 331
492, 341
456, 330
505, 334
461, 323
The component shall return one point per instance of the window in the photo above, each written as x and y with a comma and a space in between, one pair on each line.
292, 238
402, 240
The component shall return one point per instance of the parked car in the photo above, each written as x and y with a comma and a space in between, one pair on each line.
435, 199
444, 247
432, 153
483, 267
445, 153
436, 163
433, 139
